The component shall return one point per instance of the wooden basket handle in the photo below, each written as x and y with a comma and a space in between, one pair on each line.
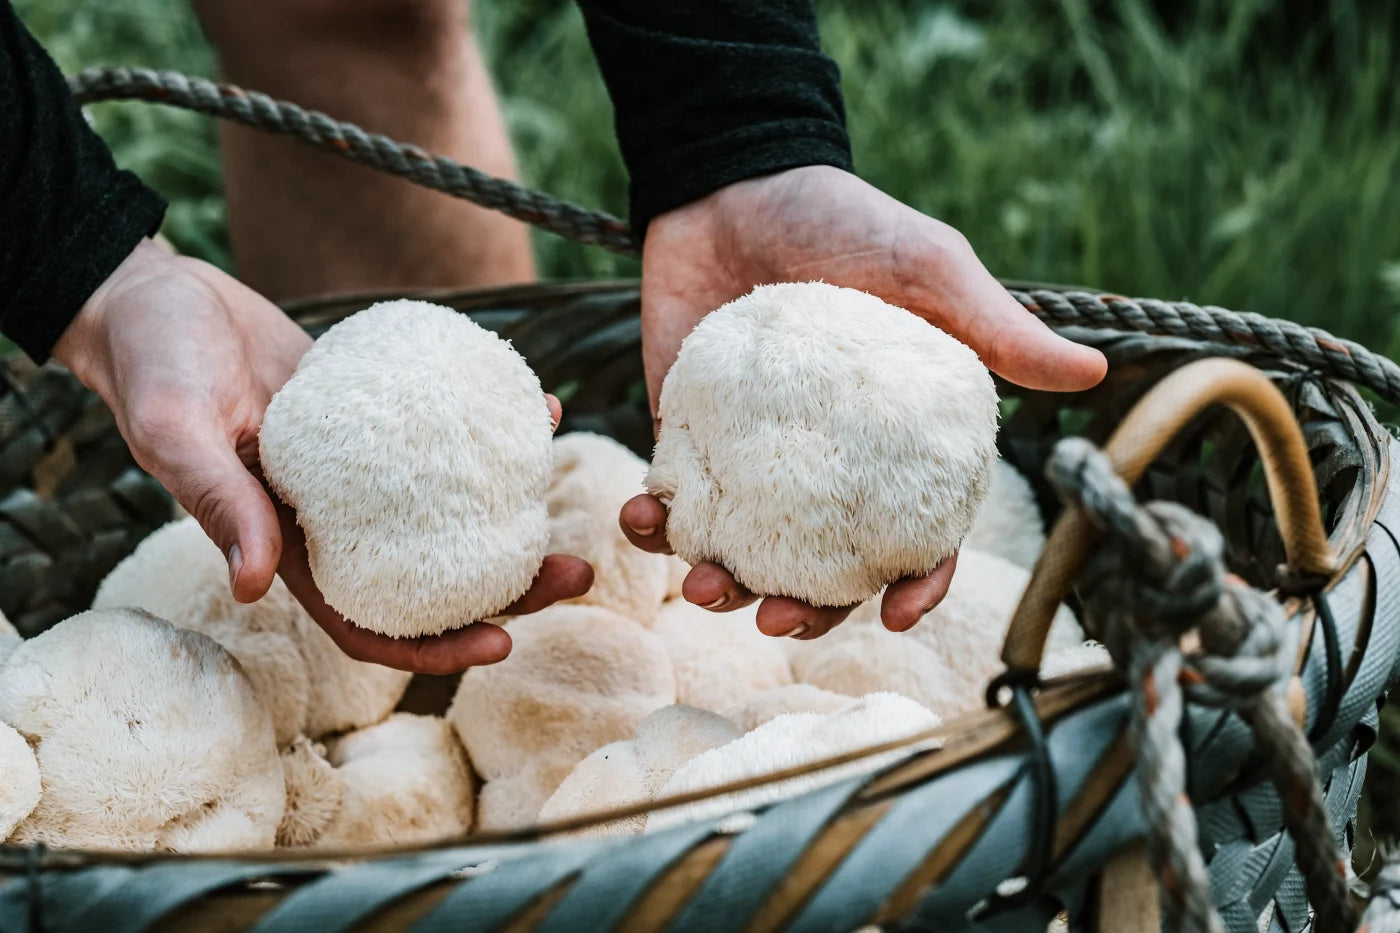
1148, 428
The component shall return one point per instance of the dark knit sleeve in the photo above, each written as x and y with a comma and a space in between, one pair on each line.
68, 216
710, 92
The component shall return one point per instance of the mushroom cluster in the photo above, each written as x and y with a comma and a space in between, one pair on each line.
171, 717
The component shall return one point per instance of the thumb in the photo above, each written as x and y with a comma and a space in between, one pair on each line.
960, 296
233, 508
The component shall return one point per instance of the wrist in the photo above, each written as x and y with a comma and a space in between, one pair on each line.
82, 347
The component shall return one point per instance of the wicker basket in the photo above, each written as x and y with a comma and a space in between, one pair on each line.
922, 844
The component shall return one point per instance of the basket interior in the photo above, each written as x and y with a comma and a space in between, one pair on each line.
73, 502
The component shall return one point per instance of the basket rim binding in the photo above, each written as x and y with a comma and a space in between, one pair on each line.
1060, 697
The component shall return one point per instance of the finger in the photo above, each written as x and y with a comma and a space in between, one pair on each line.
556, 411
959, 295
643, 521
471, 646
207, 477
781, 616
910, 599
561, 577
710, 586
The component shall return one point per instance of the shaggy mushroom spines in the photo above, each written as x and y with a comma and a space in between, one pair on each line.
820, 443
204, 737
306, 682
418, 478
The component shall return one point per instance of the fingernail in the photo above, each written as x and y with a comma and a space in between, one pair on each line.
719, 603
646, 532
798, 631
235, 564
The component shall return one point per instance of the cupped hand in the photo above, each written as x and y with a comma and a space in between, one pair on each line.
188, 358
820, 223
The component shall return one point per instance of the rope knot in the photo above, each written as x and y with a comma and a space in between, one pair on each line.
1159, 576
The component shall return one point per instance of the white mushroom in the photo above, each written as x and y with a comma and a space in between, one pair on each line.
677, 570
415, 447
1009, 524
719, 658
820, 443
593, 477
791, 741
406, 781
514, 801
307, 683
758, 708
945, 661
147, 737
578, 678
19, 780
9, 638
315, 794
631, 772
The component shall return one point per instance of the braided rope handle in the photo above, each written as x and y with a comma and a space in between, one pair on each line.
1164, 575
1308, 346
1146, 431
405, 160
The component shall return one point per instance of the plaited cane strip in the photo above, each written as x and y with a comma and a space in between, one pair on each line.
814, 865
1104, 782
531, 917
232, 911
669, 893
402, 914
943, 857
1126, 896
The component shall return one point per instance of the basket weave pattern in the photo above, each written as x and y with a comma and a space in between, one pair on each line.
924, 841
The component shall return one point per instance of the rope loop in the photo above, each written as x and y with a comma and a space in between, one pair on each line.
1158, 577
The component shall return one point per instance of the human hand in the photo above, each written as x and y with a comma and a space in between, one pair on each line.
188, 358
822, 223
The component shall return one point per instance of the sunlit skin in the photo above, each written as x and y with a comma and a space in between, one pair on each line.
822, 223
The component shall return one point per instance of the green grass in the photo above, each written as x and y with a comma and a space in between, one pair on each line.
1229, 158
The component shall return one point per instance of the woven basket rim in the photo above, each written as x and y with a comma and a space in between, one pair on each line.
1060, 697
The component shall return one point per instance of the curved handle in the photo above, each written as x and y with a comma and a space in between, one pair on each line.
1148, 428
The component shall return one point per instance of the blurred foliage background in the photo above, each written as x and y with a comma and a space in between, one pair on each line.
1243, 153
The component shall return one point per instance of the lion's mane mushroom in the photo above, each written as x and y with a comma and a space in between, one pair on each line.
406, 781
579, 678
148, 737
719, 659
19, 780
9, 638
1009, 523
943, 662
593, 477
315, 792
821, 444
632, 771
308, 684
760, 707
790, 741
414, 446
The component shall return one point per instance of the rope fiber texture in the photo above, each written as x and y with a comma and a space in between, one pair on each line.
1316, 349
1159, 575
345, 139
